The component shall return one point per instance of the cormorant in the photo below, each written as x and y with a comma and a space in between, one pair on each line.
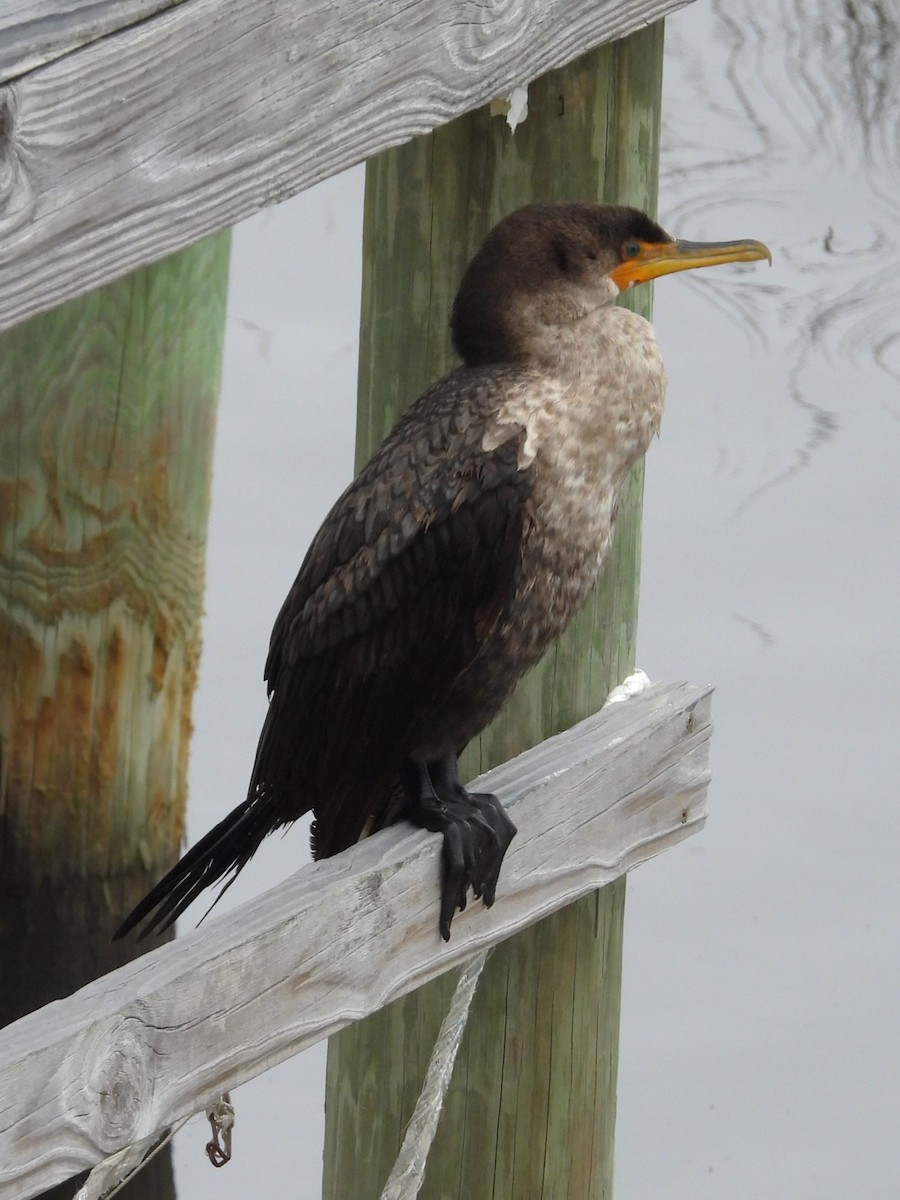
459, 554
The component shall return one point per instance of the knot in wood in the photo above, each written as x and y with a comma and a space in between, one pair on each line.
16, 193
497, 28
120, 1083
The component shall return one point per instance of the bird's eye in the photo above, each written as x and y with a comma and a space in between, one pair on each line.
631, 249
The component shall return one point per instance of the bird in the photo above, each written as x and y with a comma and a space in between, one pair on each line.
458, 555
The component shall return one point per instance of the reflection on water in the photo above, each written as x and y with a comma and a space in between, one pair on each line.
772, 567
795, 107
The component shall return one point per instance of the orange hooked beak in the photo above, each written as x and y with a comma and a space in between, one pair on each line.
662, 258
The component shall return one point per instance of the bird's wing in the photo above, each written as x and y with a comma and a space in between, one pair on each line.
400, 587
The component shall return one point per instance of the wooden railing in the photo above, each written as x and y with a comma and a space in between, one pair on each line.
160, 1038
132, 128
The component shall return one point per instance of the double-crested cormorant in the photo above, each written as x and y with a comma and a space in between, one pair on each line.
459, 554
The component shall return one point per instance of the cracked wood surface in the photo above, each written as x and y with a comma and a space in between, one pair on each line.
161, 1037
148, 125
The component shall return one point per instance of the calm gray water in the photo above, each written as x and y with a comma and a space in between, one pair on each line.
760, 1043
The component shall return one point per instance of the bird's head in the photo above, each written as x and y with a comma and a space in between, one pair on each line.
549, 265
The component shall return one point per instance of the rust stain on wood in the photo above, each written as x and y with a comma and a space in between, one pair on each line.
162, 639
71, 755
9, 500
106, 731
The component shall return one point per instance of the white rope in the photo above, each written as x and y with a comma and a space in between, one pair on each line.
114, 1172
631, 686
406, 1178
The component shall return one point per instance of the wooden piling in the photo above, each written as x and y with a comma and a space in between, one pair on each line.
530, 1114
107, 413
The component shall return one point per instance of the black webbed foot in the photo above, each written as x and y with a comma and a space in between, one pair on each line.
477, 833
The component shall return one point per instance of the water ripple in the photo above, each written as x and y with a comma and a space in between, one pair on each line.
808, 133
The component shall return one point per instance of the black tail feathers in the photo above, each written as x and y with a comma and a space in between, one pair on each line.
222, 852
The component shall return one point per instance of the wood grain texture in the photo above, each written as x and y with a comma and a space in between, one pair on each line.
146, 140
33, 32
159, 1038
107, 415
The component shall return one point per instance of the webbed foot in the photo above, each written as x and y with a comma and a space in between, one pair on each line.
476, 828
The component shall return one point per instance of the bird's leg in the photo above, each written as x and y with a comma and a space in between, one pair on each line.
476, 829
488, 809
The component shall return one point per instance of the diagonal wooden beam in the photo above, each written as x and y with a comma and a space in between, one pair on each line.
160, 1038
151, 136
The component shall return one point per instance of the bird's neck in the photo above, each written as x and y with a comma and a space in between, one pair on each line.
597, 396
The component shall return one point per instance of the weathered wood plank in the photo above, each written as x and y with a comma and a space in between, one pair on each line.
158, 1038
33, 32
146, 140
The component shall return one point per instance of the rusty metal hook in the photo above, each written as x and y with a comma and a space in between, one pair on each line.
221, 1121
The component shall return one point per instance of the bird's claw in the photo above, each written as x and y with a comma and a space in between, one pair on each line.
475, 827
477, 833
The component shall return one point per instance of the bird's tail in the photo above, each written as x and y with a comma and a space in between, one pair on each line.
222, 852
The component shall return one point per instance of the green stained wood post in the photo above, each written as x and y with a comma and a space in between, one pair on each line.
107, 416
531, 1111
